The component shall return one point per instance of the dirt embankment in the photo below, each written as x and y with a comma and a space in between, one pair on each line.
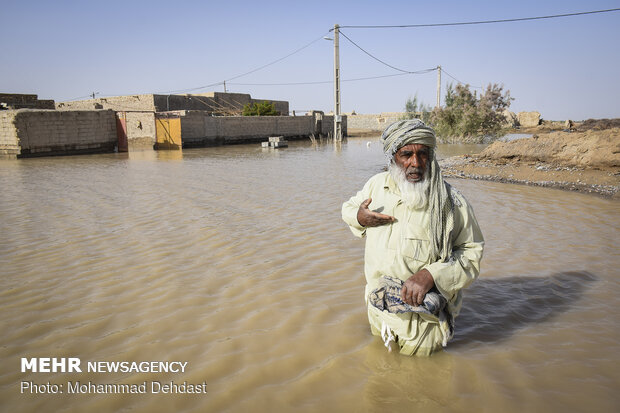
586, 159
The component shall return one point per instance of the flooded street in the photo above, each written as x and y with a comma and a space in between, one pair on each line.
235, 260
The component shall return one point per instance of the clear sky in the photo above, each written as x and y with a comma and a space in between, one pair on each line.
565, 68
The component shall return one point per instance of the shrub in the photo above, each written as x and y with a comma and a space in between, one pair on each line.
263, 108
413, 109
467, 117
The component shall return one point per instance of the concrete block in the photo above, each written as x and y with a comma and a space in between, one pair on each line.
276, 138
280, 144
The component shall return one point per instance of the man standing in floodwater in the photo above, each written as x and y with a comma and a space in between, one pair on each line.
423, 243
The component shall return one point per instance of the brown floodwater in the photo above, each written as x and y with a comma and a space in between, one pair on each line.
235, 260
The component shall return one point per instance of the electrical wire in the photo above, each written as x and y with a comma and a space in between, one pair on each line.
248, 72
476, 87
401, 70
80, 97
278, 60
171, 92
318, 82
376, 58
419, 72
553, 16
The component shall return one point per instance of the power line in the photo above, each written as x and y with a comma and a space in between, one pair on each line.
463, 83
77, 98
189, 90
331, 81
376, 58
249, 72
319, 82
401, 70
419, 72
480, 21
278, 60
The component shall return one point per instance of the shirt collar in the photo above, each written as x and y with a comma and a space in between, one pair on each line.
390, 184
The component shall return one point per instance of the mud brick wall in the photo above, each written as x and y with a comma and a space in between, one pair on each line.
9, 142
117, 103
376, 122
200, 129
20, 101
43, 132
140, 130
219, 103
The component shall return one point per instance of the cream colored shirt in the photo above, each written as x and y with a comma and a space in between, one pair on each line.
402, 248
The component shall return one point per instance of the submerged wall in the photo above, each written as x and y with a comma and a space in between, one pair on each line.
26, 132
48, 132
200, 129
139, 129
9, 141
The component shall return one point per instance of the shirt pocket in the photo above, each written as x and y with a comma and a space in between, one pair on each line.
416, 249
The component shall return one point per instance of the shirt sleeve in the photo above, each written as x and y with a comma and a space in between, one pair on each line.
464, 264
350, 208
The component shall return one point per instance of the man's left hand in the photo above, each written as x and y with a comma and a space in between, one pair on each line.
416, 287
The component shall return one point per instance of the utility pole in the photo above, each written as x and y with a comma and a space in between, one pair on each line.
225, 87
438, 86
337, 115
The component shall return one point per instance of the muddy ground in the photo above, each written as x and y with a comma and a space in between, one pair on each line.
584, 159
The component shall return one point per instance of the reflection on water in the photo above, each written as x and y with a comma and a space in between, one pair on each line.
235, 260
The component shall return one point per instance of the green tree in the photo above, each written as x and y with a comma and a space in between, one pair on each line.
413, 109
469, 117
263, 108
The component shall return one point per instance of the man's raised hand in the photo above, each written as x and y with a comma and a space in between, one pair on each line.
368, 218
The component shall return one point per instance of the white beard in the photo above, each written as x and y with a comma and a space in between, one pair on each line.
414, 194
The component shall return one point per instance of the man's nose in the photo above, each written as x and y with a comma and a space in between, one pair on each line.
414, 161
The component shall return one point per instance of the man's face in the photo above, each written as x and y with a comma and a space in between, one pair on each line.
413, 160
